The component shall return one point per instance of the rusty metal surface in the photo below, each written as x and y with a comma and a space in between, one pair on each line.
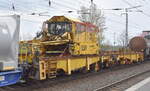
137, 44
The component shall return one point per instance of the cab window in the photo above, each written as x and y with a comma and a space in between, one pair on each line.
80, 28
59, 28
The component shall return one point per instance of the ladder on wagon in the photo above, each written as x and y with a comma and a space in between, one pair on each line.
52, 68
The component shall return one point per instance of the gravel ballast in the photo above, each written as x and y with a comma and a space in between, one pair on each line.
91, 83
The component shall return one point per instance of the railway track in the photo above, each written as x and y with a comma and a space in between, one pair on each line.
114, 84
33, 85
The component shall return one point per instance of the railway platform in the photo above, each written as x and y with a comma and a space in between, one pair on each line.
141, 86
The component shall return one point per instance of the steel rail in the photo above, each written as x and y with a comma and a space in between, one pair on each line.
120, 81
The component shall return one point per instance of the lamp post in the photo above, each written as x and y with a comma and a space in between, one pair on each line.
127, 21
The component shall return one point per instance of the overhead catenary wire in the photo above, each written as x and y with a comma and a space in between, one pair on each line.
121, 23
17, 3
135, 24
65, 6
144, 1
32, 21
5, 5
125, 1
11, 5
126, 9
140, 1
31, 5
49, 3
19, 6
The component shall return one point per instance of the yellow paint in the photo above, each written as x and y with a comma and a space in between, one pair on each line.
81, 45
84, 42
123, 57
88, 63
71, 64
25, 53
42, 70
8, 68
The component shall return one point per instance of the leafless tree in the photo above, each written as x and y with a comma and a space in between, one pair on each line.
106, 46
94, 16
121, 39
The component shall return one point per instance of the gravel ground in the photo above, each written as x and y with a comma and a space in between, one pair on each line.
93, 82
86, 83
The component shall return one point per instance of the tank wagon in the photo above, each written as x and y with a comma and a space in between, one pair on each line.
66, 45
141, 44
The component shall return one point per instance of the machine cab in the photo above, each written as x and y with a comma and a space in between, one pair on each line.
59, 28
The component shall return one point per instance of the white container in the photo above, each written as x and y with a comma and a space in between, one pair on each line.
9, 42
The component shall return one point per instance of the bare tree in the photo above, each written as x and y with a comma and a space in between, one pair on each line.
94, 16
121, 39
106, 46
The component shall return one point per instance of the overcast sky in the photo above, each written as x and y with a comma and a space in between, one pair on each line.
115, 20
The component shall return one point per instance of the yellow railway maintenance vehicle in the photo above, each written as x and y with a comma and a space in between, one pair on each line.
66, 45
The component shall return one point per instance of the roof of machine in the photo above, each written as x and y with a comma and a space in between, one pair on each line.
66, 18
57, 18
